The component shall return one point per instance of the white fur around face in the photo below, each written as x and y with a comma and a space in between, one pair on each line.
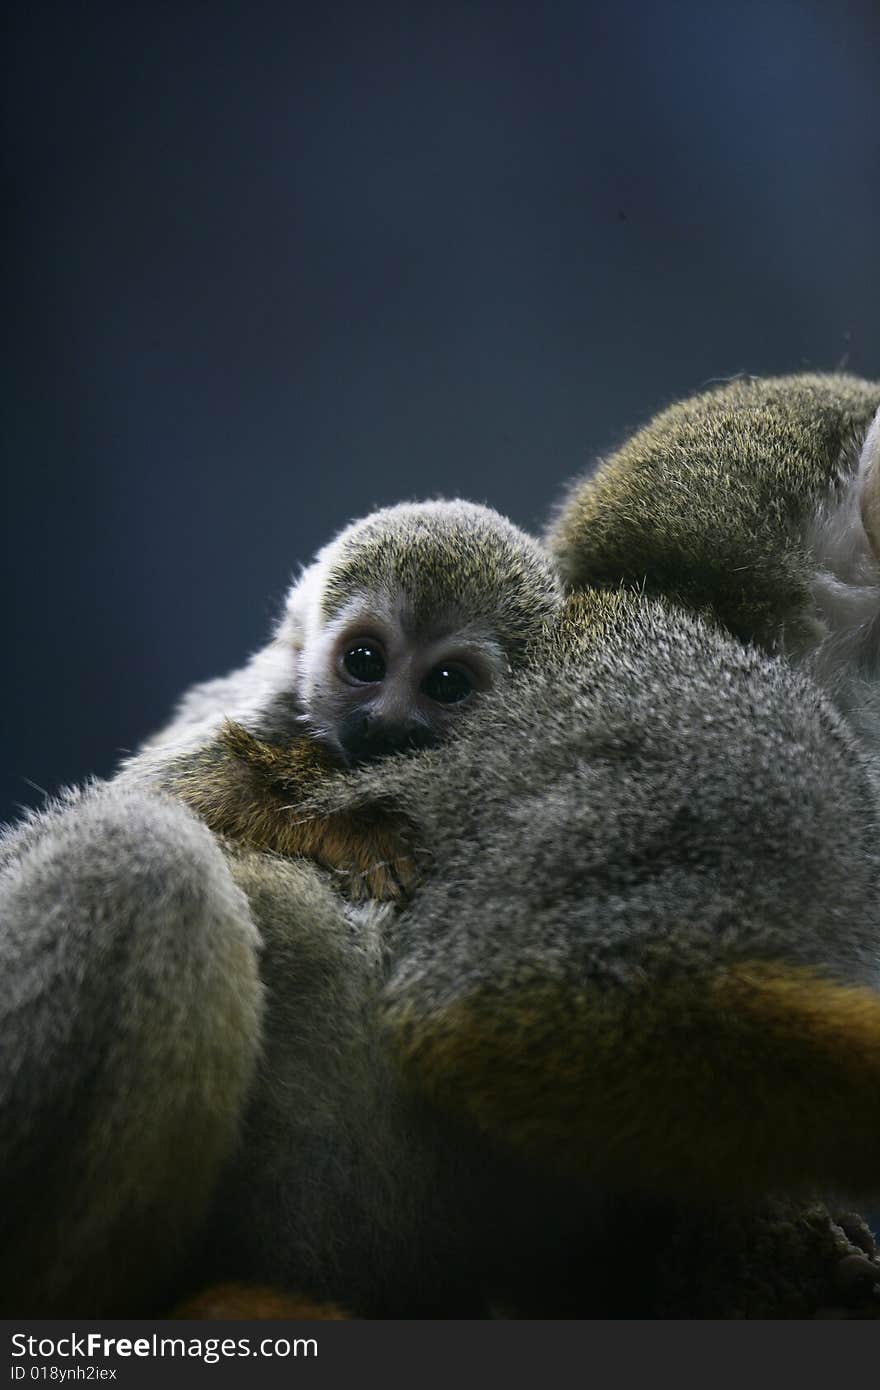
869, 485
845, 544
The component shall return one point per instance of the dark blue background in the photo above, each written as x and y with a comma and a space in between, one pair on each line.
272, 264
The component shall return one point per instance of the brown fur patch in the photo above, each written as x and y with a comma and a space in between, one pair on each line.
756, 1078
245, 1301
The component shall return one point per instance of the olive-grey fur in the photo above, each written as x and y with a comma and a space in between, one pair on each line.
443, 556
130, 1028
757, 501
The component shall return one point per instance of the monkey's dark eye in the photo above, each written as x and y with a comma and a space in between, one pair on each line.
364, 663
448, 685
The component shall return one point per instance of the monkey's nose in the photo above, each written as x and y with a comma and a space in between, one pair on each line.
375, 738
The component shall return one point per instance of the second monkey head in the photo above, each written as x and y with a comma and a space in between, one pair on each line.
407, 616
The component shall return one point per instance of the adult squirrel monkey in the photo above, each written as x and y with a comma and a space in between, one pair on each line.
632, 1000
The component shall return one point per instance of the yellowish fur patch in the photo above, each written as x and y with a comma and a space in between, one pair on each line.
742, 1081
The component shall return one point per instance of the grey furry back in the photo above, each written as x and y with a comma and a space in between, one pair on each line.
654, 777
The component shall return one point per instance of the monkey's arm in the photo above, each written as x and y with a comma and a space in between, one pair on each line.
259, 794
129, 1028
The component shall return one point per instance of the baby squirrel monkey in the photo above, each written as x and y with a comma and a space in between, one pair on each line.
393, 630
408, 614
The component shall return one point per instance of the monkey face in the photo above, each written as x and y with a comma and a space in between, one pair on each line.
383, 683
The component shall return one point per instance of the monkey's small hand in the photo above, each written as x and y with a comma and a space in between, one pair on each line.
368, 851
259, 794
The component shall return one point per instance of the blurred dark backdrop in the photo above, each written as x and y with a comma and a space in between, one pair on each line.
272, 264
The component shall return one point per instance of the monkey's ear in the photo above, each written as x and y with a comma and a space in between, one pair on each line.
869, 485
